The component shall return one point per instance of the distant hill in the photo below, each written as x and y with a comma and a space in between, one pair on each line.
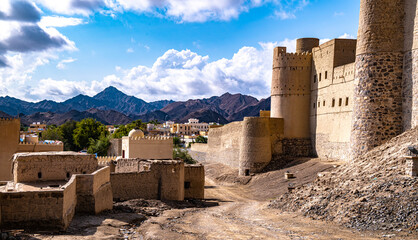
109, 99
107, 117
112, 106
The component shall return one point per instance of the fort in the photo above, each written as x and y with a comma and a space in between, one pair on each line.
336, 100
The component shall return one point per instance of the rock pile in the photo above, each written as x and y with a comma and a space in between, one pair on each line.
371, 192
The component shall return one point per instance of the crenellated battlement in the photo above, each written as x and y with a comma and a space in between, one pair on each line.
105, 159
41, 143
149, 139
9, 120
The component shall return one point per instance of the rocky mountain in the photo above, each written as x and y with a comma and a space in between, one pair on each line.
4, 115
107, 117
109, 99
112, 106
231, 107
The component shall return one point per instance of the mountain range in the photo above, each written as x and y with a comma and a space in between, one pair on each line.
112, 106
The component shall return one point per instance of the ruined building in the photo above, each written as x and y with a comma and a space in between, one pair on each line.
336, 100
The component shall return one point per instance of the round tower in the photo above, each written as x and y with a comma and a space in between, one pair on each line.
290, 91
255, 145
306, 44
377, 113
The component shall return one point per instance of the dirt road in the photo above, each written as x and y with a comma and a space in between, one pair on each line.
237, 217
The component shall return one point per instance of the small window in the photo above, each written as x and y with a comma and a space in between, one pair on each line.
187, 185
326, 74
346, 101
340, 102
319, 104
313, 105
247, 172
320, 76
333, 102
323, 103
68, 175
39, 175
314, 78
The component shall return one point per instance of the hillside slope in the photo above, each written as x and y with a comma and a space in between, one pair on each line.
371, 192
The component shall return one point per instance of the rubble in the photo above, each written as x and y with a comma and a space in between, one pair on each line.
371, 192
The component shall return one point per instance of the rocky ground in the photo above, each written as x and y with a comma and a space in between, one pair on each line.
371, 192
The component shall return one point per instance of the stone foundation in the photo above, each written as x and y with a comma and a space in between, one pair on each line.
327, 149
297, 147
377, 114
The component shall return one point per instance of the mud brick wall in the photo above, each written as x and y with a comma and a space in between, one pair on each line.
194, 181
94, 192
134, 185
30, 167
43, 209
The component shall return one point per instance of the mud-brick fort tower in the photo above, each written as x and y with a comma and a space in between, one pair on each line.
345, 97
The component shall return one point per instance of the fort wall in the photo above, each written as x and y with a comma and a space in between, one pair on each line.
248, 145
9, 139
410, 67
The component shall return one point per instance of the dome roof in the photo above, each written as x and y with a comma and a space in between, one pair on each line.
136, 133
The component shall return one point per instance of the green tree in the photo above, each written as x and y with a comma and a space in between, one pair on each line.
201, 139
52, 133
86, 130
154, 121
67, 133
124, 130
176, 141
120, 132
179, 153
99, 146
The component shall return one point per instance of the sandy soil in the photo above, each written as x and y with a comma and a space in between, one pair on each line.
234, 208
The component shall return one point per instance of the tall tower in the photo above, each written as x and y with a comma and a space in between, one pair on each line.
377, 113
290, 91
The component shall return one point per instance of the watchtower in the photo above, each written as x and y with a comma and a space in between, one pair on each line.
290, 88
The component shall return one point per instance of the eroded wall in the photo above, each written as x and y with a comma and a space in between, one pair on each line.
194, 181
41, 209
31, 167
164, 180
94, 191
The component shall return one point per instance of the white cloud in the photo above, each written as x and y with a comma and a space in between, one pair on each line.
290, 44
73, 7
178, 75
288, 9
62, 63
348, 36
59, 21
284, 15
130, 50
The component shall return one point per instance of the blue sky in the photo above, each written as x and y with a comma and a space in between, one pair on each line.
165, 49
